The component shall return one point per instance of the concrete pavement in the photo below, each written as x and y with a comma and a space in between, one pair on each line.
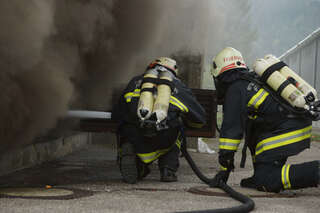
94, 169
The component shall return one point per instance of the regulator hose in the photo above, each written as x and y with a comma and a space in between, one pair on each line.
248, 204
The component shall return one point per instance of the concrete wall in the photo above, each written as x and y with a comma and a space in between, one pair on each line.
304, 59
24, 157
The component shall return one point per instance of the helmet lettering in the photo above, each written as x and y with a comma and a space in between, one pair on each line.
233, 58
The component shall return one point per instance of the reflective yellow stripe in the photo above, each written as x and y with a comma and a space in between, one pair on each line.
285, 177
284, 139
128, 96
223, 168
253, 158
151, 156
229, 144
179, 104
136, 92
258, 98
178, 142
252, 117
173, 100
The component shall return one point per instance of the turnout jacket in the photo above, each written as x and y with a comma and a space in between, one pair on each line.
183, 107
273, 135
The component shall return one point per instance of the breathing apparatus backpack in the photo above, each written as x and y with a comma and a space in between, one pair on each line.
289, 90
154, 98
292, 92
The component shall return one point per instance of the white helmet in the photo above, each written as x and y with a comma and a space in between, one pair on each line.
166, 62
228, 59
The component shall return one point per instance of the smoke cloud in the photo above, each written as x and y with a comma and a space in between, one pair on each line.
57, 55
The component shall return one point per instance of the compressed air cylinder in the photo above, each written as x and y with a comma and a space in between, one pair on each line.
308, 91
161, 104
146, 99
290, 93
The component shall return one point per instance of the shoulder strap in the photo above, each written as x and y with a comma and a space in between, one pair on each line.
252, 77
159, 81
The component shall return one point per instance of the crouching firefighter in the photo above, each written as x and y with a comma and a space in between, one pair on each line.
272, 131
151, 111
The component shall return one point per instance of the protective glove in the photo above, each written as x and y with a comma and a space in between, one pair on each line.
226, 160
222, 176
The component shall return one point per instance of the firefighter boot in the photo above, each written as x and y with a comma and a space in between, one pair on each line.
168, 175
128, 164
248, 183
143, 169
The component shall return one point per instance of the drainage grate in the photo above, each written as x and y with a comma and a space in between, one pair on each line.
206, 190
44, 193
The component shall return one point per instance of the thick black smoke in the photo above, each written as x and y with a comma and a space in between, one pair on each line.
57, 55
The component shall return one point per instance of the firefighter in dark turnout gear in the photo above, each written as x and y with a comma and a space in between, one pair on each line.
143, 142
271, 133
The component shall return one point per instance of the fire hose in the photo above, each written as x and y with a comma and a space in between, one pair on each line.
247, 203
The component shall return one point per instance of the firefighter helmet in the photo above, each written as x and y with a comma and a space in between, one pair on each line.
166, 62
228, 59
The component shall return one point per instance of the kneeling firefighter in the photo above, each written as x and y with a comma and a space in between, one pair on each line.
272, 132
151, 111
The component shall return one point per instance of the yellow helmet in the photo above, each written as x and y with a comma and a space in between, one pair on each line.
166, 62
228, 59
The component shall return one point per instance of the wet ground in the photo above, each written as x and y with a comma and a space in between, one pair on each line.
90, 181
